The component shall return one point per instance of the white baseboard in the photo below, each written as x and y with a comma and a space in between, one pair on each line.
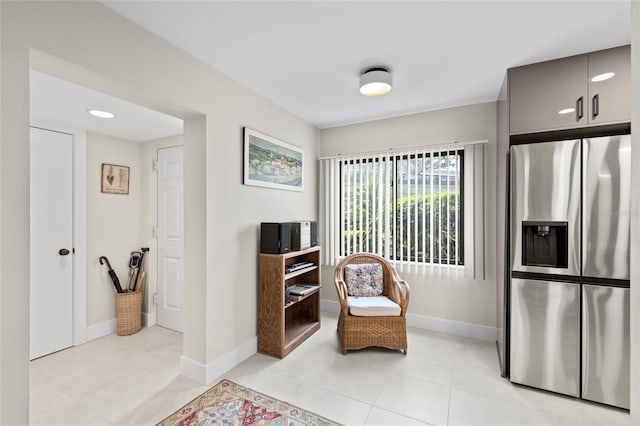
102, 329
207, 374
149, 319
457, 328
193, 369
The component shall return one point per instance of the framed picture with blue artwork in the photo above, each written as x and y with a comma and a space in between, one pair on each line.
272, 163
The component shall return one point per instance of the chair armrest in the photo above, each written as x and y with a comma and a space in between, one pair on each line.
341, 288
401, 292
405, 291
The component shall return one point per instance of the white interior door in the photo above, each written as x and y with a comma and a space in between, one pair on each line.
51, 255
170, 233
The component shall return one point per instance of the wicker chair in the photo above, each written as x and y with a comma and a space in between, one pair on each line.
357, 332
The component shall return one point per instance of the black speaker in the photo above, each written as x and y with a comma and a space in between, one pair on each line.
314, 234
275, 238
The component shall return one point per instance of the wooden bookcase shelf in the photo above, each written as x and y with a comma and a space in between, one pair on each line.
300, 272
301, 298
283, 327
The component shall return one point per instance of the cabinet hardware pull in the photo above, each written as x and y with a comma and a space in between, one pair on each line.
595, 105
580, 108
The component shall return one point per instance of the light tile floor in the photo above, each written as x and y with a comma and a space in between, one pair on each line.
444, 380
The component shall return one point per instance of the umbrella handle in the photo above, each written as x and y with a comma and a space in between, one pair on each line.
103, 258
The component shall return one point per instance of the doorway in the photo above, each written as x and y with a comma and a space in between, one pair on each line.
103, 224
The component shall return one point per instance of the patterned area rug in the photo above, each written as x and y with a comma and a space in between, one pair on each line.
230, 404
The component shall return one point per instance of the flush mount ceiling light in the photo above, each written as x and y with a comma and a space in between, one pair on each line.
375, 82
101, 114
603, 76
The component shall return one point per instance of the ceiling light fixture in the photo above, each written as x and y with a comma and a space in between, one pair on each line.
375, 82
101, 114
602, 77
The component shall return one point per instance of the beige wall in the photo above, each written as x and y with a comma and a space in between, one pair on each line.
222, 215
435, 294
113, 221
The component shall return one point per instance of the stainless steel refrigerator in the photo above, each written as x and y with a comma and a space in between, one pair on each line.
569, 293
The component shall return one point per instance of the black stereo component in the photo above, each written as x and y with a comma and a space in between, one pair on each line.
304, 234
300, 235
283, 237
275, 238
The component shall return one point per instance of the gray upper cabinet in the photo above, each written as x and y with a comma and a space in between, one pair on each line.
561, 94
540, 92
610, 99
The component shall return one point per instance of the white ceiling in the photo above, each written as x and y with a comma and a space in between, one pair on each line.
55, 102
307, 56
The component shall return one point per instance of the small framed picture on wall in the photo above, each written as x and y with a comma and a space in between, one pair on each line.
115, 179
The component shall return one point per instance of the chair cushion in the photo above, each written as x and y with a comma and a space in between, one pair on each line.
364, 279
374, 306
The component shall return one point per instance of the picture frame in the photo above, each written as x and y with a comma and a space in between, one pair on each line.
115, 179
272, 163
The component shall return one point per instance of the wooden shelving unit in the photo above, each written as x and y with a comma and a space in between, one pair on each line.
283, 327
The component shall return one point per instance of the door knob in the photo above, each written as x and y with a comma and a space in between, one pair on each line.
63, 252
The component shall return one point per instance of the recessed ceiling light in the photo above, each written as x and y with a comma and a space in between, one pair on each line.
375, 82
101, 114
566, 111
603, 76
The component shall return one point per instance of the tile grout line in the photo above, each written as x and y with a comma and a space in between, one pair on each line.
373, 404
368, 414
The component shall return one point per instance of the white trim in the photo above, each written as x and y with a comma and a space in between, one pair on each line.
440, 325
102, 329
193, 369
456, 328
207, 374
80, 332
80, 329
149, 319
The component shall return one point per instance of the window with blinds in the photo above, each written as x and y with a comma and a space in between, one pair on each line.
406, 207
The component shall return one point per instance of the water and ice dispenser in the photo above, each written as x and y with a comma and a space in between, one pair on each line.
545, 244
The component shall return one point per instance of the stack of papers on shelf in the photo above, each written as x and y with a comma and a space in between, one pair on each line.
302, 289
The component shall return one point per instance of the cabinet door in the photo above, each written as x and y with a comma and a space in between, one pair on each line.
547, 96
610, 99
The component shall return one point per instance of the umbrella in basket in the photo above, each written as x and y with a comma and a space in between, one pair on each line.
112, 274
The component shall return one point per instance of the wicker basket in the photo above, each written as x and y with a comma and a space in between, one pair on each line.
129, 312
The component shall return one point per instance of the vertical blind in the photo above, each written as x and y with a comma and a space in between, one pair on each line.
407, 206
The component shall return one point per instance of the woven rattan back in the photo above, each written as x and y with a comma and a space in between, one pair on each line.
364, 258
